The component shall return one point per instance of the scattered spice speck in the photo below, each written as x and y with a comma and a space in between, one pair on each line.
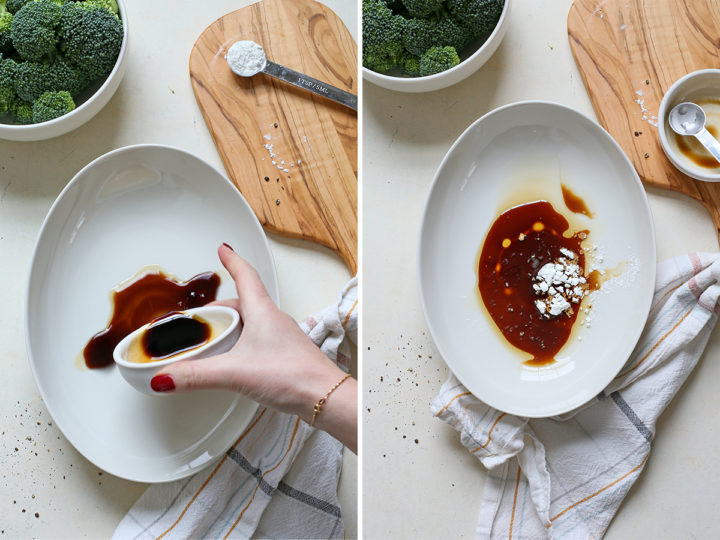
275, 124
277, 202
267, 178
417, 441
647, 155
171, 90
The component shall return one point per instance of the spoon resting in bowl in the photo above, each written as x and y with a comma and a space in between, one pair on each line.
688, 119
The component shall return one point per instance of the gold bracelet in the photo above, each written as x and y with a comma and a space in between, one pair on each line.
319, 404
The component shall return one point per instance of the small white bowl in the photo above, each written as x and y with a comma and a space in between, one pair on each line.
85, 109
139, 375
694, 86
451, 76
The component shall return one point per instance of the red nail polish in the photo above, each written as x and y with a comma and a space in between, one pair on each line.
228, 246
162, 383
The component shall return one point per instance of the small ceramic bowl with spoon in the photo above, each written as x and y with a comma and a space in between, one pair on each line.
689, 124
179, 335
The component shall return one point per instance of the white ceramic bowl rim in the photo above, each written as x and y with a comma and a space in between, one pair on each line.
123, 470
88, 101
196, 352
663, 129
442, 74
561, 409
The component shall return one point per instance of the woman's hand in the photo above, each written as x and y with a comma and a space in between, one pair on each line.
273, 362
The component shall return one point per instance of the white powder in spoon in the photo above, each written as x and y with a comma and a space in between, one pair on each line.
246, 58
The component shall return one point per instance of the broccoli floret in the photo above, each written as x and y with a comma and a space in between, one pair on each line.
7, 84
13, 6
419, 35
33, 30
422, 8
438, 59
479, 16
52, 105
411, 66
110, 5
382, 36
449, 33
32, 79
23, 112
6, 19
90, 38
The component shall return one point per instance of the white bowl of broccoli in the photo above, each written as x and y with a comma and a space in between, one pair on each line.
60, 63
426, 45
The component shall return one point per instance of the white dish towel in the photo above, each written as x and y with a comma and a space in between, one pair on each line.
566, 476
279, 479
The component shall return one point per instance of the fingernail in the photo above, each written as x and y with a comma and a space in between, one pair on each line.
228, 246
162, 383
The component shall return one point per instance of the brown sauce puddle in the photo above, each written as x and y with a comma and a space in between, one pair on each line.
143, 300
575, 203
692, 149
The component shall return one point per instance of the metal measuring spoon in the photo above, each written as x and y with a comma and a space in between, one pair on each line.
689, 119
247, 58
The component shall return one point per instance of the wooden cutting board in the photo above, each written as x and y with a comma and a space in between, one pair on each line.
629, 53
311, 190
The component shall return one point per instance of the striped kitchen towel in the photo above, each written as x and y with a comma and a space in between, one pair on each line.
278, 480
566, 476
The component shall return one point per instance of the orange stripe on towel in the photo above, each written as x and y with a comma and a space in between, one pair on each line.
512, 515
655, 346
347, 317
450, 402
242, 512
489, 434
611, 484
205, 483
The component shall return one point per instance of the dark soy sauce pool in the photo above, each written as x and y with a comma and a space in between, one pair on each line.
172, 334
143, 300
506, 269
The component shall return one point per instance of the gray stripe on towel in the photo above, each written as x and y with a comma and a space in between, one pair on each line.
309, 499
283, 488
627, 411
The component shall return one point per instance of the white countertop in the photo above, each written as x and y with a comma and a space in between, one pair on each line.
47, 489
432, 488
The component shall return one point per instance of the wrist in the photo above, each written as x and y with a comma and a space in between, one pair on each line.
316, 379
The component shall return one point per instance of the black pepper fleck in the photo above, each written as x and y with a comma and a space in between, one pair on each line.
267, 178
647, 155
275, 124
416, 441
277, 202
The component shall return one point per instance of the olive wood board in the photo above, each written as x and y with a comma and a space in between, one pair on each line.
629, 53
316, 138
